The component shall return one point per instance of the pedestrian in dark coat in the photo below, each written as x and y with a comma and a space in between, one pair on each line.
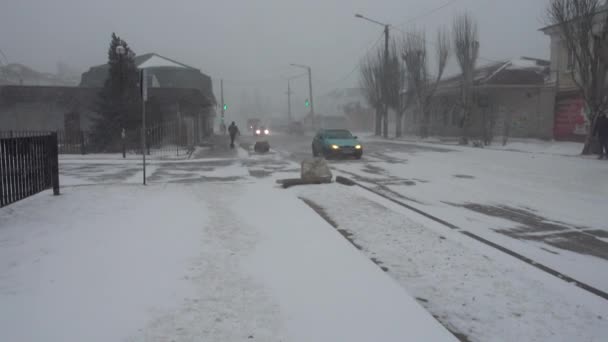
233, 130
601, 131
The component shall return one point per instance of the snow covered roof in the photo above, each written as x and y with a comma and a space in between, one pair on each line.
521, 70
519, 64
153, 60
158, 62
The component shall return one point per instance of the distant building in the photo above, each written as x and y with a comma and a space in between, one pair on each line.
18, 74
512, 99
176, 92
346, 107
162, 72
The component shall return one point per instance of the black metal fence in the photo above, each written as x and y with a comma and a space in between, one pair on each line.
165, 139
28, 165
75, 142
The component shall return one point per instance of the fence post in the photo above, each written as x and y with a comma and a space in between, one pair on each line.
54, 162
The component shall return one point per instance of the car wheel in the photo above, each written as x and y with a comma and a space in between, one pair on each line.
358, 156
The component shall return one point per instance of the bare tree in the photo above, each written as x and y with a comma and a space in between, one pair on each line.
397, 83
466, 47
420, 82
371, 81
583, 27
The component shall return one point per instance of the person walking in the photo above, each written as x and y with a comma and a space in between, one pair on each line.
233, 130
601, 131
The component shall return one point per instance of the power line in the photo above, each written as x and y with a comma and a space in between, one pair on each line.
256, 81
426, 14
367, 50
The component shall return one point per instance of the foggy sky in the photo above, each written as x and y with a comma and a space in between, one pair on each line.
250, 43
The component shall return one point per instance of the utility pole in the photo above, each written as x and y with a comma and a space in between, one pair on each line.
312, 106
289, 100
312, 102
386, 71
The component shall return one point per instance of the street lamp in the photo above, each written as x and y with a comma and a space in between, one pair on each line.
312, 107
385, 83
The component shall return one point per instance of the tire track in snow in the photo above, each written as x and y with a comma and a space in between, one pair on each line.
544, 268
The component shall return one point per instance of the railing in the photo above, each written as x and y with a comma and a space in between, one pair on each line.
75, 142
166, 139
28, 165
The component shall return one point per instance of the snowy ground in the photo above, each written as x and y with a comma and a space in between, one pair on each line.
213, 250
210, 250
548, 207
477, 292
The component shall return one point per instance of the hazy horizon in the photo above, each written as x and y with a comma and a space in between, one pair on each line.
251, 44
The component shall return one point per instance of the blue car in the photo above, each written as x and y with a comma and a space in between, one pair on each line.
336, 142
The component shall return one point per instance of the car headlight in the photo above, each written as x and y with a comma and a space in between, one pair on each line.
257, 131
335, 147
358, 147
266, 132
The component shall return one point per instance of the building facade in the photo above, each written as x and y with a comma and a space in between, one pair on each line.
176, 93
511, 99
571, 121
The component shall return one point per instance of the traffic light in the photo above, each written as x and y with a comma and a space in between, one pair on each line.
307, 103
225, 106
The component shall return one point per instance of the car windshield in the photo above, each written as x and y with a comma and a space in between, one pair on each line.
338, 134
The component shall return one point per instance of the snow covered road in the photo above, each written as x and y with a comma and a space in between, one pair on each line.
213, 250
546, 207
479, 293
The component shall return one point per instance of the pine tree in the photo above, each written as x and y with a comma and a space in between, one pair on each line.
119, 101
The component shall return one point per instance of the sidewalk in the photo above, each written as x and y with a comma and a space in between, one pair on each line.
192, 262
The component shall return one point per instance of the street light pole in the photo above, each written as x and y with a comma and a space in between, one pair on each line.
312, 102
386, 71
312, 105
